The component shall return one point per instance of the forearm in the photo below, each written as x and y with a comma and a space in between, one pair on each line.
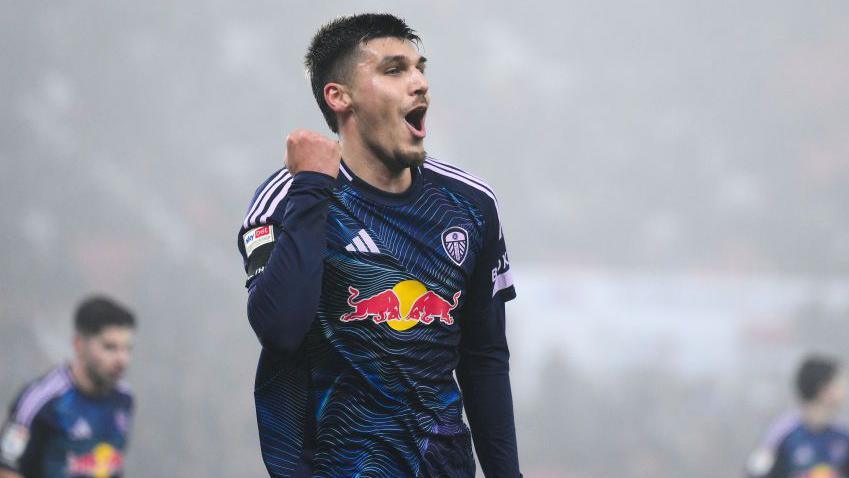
484, 378
489, 406
283, 299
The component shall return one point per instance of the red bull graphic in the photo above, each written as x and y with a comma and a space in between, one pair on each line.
380, 307
821, 471
401, 307
104, 461
430, 306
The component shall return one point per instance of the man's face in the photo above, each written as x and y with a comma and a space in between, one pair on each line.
389, 99
833, 395
106, 355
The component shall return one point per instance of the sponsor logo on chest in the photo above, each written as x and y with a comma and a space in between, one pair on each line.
405, 305
103, 461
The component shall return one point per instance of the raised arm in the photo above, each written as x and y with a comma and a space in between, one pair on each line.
284, 251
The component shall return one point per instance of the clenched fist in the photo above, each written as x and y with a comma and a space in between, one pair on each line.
310, 151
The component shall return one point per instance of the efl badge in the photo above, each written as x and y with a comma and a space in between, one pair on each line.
455, 241
257, 237
14, 442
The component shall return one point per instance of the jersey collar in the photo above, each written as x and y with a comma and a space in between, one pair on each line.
346, 176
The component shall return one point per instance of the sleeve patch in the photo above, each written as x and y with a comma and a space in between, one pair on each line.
14, 442
502, 278
760, 463
256, 237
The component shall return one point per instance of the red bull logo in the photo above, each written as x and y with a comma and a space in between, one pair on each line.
401, 307
103, 462
821, 471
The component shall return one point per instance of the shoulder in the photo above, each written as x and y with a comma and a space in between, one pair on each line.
770, 450
782, 428
38, 393
461, 182
267, 197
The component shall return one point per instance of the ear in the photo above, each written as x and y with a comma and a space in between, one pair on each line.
337, 97
78, 344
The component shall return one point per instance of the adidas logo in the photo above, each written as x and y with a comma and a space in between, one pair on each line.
81, 430
362, 242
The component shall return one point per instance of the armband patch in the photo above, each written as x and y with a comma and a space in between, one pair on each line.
257, 237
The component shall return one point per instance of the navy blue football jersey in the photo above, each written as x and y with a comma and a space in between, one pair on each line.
371, 391
54, 430
792, 450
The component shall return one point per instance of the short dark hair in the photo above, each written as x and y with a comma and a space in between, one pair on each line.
814, 374
329, 54
98, 312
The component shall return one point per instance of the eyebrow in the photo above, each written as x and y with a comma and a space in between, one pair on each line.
400, 59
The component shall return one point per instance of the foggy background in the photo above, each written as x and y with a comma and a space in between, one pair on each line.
672, 178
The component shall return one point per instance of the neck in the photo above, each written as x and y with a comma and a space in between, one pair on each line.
82, 380
371, 168
815, 416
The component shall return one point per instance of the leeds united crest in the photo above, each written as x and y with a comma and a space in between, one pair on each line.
455, 241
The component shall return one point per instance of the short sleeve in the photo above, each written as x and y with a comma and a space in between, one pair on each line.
769, 459
15, 437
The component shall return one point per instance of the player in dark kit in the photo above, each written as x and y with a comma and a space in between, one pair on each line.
807, 443
74, 421
373, 279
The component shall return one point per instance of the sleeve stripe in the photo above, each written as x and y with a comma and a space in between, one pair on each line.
457, 176
41, 392
260, 208
781, 429
267, 185
455, 169
277, 200
462, 177
272, 184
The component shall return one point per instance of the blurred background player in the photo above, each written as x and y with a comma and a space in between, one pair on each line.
363, 272
807, 443
74, 421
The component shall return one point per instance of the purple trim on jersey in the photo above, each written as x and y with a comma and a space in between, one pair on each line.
272, 182
451, 167
282, 178
781, 428
276, 201
468, 179
42, 391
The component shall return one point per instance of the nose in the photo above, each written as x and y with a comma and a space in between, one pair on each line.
419, 83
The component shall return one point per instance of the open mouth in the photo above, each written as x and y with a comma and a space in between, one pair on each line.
415, 120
